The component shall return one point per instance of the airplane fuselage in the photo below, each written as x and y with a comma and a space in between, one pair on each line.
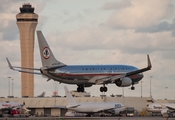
81, 74
9, 105
97, 107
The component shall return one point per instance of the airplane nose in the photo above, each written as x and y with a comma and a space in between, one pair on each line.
21, 105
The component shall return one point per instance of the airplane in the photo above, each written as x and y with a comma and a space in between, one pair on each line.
92, 107
161, 108
83, 75
9, 104
12, 108
42, 94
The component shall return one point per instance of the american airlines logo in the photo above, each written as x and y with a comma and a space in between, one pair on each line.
46, 53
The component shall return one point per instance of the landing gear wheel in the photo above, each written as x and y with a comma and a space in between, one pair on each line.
80, 88
132, 88
88, 115
103, 89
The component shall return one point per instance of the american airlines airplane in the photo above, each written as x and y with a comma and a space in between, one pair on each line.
93, 107
83, 75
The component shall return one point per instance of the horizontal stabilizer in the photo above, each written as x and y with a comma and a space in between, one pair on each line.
20, 69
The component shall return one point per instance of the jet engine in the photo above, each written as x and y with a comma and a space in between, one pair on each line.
126, 81
164, 111
116, 112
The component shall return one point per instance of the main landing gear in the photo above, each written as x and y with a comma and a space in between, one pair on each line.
132, 88
80, 88
103, 89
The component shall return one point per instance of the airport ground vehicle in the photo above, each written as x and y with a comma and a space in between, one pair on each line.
9, 112
74, 114
129, 111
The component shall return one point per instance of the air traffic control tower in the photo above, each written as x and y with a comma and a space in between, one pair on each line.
27, 21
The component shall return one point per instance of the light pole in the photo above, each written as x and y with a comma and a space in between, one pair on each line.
129, 91
123, 91
166, 92
150, 85
12, 87
141, 88
9, 86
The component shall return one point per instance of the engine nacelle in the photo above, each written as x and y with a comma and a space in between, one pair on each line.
116, 112
164, 111
126, 81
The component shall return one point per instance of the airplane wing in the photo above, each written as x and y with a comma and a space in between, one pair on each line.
111, 79
58, 106
65, 107
27, 70
103, 109
170, 106
72, 106
141, 70
107, 80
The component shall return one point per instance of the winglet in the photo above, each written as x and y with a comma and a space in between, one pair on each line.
141, 70
10, 66
149, 62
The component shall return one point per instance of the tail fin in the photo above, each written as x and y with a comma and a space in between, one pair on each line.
47, 56
42, 94
71, 101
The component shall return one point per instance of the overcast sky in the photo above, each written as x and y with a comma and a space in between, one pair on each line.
96, 32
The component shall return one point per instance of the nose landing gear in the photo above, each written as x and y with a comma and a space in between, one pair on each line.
80, 88
103, 89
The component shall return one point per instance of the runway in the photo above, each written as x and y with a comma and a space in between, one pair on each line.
89, 118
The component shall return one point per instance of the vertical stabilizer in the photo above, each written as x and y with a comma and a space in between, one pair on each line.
70, 100
47, 57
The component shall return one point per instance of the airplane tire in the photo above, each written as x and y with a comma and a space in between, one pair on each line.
101, 89
78, 89
82, 89
88, 115
105, 89
132, 88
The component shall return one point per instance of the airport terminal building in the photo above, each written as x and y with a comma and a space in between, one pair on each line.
49, 106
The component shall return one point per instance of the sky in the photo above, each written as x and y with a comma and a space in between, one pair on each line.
96, 32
